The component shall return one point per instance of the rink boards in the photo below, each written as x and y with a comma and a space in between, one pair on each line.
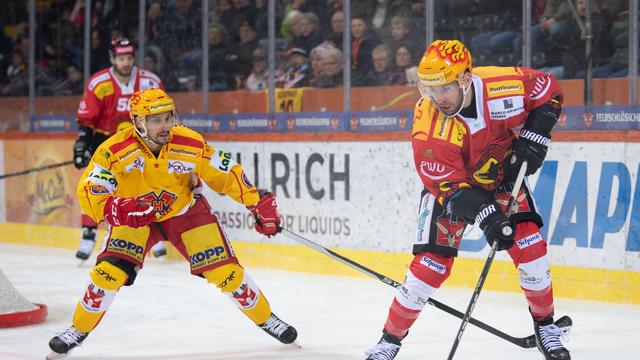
361, 198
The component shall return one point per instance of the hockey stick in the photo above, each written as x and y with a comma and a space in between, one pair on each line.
41, 168
487, 265
524, 342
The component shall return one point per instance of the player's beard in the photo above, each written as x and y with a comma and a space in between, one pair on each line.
162, 138
123, 71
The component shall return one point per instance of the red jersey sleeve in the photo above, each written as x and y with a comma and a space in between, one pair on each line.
540, 88
88, 109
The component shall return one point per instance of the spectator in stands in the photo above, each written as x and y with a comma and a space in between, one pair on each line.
293, 27
239, 59
331, 63
316, 62
219, 78
311, 33
180, 33
381, 72
297, 72
405, 71
259, 77
241, 12
71, 85
155, 14
499, 35
99, 53
223, 12
363, 41
400, 33
337, 29
17, 76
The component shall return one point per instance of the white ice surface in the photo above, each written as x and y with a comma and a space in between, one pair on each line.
169, 314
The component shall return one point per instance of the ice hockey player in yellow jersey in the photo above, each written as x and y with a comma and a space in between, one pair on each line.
144, 183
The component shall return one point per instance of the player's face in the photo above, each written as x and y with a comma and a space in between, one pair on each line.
123, 64
448, 98
159, 127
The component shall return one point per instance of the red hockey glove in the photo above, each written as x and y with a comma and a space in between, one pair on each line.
266, 214
129, 212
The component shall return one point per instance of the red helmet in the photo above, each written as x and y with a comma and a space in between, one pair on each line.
121, 46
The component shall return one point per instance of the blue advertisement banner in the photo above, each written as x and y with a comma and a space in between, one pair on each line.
600, 117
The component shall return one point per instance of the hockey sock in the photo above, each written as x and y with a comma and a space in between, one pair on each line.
234, 282
529, 254
106, 279
425, 275
89, 233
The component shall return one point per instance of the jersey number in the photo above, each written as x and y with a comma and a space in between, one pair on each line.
123, 104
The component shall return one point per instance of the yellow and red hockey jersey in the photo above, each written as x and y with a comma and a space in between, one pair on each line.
456, 152
124, 166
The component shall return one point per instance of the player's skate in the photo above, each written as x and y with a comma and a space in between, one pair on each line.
65, 341
549, 336
85, 249
386, 349
279, 329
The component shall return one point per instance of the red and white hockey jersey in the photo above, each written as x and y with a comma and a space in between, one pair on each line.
457, 152
105, 102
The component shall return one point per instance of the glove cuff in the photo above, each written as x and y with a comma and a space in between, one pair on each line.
535, 137
485, 212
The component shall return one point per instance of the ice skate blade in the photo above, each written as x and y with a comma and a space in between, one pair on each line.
54, 355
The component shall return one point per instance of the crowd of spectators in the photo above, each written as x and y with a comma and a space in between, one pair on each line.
387, 37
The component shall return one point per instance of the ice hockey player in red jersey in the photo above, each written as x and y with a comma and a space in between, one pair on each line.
104, 110
467, 155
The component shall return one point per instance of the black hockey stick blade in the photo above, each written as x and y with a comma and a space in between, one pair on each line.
524, 342
37, 169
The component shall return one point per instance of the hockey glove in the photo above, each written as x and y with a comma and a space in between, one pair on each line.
265, 211
130, 212
81, 154
528, 146
496, 226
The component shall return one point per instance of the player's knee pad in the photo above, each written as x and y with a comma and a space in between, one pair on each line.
128, 267
535, 275
425, 275
227, 277
414, 293
106, 279
108, 276
236, 284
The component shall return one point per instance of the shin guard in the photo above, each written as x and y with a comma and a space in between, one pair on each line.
106, 279
425, 275
234, 282
530, 257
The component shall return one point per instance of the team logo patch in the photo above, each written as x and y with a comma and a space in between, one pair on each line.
137, 164
245, 296
529, 240
541, 87
222, 161
180, 167
450, 231
103, 177
125, 247
504, 108
428, 168
98, 190
504, 88
245, 180
92, 299
433, 265
161, 203
208, 257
